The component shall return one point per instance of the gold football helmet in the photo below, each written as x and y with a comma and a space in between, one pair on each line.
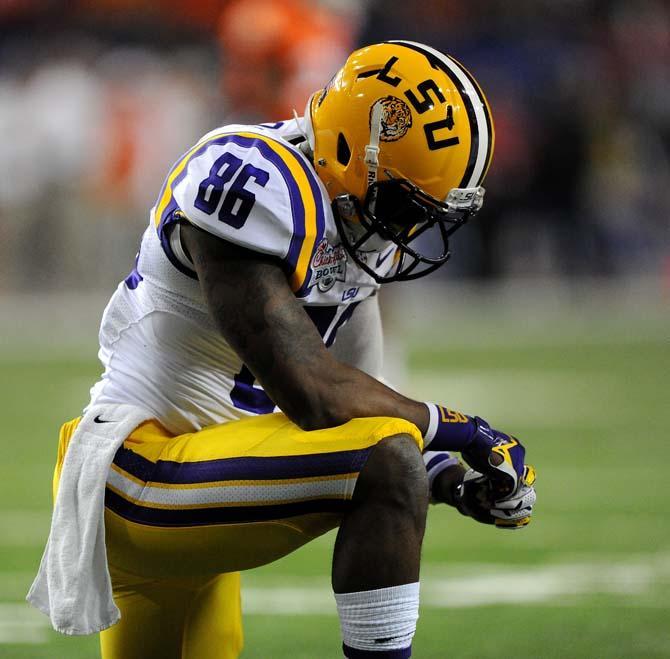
402, 138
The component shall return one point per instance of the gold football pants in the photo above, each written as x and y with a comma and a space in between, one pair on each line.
184, 514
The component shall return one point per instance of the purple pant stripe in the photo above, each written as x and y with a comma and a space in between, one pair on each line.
353, 653
228, 515
247, 468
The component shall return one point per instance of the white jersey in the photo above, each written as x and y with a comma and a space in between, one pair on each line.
251, 186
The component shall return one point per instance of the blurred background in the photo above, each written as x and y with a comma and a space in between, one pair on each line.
98, 98
554, 313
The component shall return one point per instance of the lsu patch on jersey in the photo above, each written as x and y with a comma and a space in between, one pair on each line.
253, 187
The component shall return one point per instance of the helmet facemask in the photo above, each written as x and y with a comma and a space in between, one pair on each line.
396, 211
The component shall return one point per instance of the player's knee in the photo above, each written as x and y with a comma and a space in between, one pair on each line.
395, 476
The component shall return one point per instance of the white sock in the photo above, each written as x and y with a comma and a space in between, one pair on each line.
379, 620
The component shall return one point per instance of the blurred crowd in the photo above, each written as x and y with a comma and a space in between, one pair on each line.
98, 98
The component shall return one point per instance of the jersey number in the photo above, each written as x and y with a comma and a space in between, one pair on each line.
238, 201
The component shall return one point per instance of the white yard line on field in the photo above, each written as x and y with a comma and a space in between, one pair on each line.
471, 585
456, 586
21, 624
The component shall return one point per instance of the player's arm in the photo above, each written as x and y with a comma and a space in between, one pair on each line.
254, 308
359, 343
242, 250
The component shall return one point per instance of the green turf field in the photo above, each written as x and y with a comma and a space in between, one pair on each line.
589, 578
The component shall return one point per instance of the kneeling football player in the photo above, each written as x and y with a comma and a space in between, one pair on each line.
242, 354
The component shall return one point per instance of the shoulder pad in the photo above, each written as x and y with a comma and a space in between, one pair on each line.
251, 189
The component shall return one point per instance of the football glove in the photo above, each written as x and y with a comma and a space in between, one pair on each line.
475, 497
498, 456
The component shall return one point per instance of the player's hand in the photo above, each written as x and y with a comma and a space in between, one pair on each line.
498, 456
475, 497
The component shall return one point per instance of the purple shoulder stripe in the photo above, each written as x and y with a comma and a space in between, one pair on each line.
296, 201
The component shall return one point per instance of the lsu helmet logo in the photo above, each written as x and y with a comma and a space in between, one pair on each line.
396, 118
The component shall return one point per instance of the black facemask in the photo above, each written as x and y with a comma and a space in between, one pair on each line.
399, 212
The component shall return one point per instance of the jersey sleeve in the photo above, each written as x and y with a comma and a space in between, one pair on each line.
251, 190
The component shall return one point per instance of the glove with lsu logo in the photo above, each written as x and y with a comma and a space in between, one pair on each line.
476, 495
499, 487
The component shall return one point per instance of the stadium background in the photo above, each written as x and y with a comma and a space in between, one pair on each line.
551, 320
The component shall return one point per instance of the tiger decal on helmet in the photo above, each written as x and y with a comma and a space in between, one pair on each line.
396, 118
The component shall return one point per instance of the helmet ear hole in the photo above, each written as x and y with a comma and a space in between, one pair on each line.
343, 150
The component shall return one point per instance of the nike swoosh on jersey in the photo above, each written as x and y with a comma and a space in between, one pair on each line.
382, 257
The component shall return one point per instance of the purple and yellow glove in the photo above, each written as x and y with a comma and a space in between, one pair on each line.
489, 451
499, 487
475, 497
496, 455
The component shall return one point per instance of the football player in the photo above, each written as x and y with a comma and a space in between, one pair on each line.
249, 332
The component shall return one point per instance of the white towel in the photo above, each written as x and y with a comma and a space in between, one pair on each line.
73, 586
